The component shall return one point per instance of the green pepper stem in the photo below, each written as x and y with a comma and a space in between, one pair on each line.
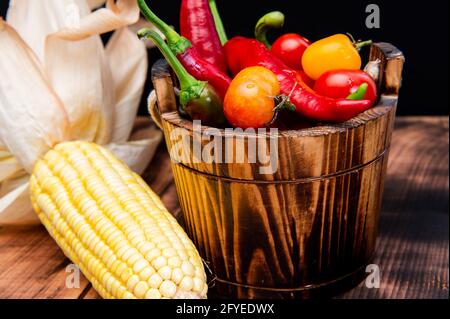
186, 80
177, 43
361, 44
218, 22
359, 93
272, 20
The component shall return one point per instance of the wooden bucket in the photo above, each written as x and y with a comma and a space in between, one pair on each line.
309, 228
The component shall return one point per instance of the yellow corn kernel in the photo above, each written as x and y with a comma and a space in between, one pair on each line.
187, 283
153, 294
155, 280
165, 272
177, 275
168, 289
111, 224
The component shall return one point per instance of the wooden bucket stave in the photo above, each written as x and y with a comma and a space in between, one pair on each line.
309, 228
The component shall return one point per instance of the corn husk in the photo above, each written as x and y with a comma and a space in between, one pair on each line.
32, 117
60, 83
126, 62
94, 4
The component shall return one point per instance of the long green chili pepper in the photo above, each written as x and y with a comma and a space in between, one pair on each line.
198, 99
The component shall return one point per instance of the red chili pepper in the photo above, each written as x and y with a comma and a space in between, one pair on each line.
196, 66
242, 52
306, 79
233, 54
342, 83
204, 71
198, 26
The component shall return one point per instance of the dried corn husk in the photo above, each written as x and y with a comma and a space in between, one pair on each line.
93, 4
60, 83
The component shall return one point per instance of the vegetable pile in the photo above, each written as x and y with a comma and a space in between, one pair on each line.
249, 83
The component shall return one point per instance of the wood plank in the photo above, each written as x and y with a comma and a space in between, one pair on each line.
412, 248
159, 174
33, 266
413, 243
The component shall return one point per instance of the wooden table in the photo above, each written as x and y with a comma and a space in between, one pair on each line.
413, 243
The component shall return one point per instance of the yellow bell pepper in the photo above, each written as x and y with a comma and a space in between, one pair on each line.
333, 53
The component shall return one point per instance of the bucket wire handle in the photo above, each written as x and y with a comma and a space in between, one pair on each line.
153, 109
212, 282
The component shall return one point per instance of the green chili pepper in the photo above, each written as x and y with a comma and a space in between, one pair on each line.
360, 93
198, 99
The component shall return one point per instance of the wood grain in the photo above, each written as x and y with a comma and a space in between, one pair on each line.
412, 248
33, 266
282, 240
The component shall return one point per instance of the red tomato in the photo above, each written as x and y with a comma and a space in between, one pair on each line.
342, 83
290, 48
250, 99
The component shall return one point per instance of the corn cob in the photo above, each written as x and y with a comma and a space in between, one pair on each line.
112, 225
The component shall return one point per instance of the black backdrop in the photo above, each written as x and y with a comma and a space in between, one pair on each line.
419, 28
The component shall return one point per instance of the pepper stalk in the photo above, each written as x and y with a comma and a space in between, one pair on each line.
272, 20
190, 87
359, 44
198, 99
176, 42
218, 21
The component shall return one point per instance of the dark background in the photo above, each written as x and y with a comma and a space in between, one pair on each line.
420, 29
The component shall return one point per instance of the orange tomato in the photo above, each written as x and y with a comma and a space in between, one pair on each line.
250, 99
